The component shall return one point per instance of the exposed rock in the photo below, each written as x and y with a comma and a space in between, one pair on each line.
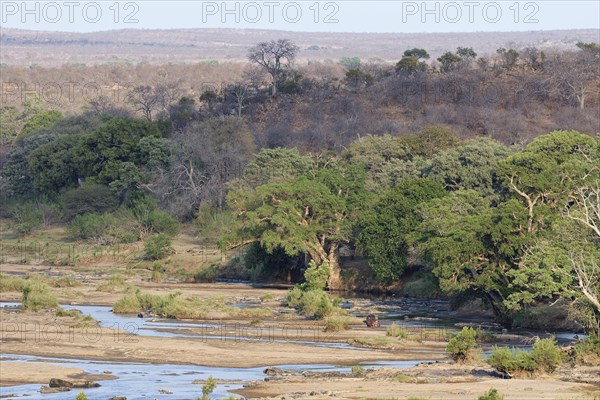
48, 389
164, 391
118, 398
273, 371
79, 384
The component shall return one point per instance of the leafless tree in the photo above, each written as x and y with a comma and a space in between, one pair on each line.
149, 99
274, 57
576, 75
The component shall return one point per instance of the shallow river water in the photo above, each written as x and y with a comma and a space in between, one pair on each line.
144, 380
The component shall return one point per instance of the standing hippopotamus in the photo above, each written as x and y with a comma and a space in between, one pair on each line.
372, 321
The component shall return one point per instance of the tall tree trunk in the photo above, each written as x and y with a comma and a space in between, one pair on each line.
334, 282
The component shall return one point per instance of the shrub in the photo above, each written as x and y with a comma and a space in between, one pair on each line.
395, 331
157, 272
158, 246
81, 396
294, 296
173, 306
545, 356
336, 323
88, 199
266, 297
461, 347
207, 274
114, 282
11, 284
316, 275
491, 394
316, 303
358, 370
122, 227
208, 387
129, 304
162, 222
587, 351
309, 298
27, 218
87, 226
37, 296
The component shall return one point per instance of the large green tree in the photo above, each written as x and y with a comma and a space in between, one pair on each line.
385, 227
312, 214
472, 245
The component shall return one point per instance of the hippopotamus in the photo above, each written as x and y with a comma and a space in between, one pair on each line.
372, 321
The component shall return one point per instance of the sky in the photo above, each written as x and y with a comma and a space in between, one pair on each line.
304, 16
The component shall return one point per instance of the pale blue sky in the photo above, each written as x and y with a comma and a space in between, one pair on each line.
313, 16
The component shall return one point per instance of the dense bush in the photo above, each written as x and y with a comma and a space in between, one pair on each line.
491, 394
207, 274
336, 323
162, 222
462, 346
87, 226
26, 218
37, 296
158, 246
396, 331
89, 198
313, 302
545, 356
587, 351
316, 275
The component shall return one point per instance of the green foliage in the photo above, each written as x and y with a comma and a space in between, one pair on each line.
117, 227
357, 370
431, 140
112, 155
312, 303
449, 61
376, 154
469, 166
81, 396
350, 62
89, 198
316, 275
270, 266
11, 284
87, 226
385, 227
208, 387
41, 119
157, 272
336, 323
587, 351
207, 274
396, 331
163, 222
311, 214
417, 53
410, 64
26, 218
461, 347
491, 394
158, 246
212, 223
275, 166
545, 356
143, 208
10, 124
37, 296
471, 244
